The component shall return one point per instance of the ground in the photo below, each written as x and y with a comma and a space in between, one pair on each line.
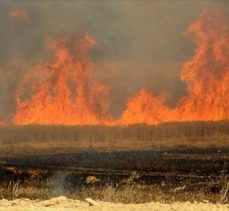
63, 203
156, 173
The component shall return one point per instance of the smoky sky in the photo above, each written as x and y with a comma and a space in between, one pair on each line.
139, 30
141, 44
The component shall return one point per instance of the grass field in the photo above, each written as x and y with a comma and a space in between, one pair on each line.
131, 164
32, 138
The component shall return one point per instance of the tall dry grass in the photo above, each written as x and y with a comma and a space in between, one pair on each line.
132, 137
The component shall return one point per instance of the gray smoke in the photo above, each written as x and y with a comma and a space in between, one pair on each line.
141, 44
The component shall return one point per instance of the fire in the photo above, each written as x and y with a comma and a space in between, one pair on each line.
2, 122
64, 91
19, 14
207, 73
207, 77
146, 108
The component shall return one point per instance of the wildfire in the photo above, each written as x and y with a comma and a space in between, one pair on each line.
64, 91
206, 74
19, 14
146, 108
2, 122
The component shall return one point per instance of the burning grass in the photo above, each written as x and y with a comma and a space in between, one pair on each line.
64, 91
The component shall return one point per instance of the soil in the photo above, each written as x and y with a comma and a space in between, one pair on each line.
63, 203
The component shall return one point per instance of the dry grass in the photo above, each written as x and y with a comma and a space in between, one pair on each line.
134, 193
125, 191
33, 138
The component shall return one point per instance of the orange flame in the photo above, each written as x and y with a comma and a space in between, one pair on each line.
207, 76
2, 122
207, 73
19, 14
67, 93
146, 108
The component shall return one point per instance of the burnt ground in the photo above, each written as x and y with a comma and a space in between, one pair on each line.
183, 161
150, 166
161, 175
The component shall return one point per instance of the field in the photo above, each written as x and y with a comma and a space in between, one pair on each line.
25, 139
130, 164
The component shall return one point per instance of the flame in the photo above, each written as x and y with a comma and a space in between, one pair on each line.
64, 91
146, 108
207, 73
2, 122
207, 77
19, 14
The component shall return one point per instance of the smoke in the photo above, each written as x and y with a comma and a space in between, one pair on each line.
140, 44
58, 180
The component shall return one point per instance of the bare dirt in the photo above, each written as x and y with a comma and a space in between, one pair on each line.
63, 203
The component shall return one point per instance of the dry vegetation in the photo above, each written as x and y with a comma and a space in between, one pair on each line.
128, 190
15, 139
34, 184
